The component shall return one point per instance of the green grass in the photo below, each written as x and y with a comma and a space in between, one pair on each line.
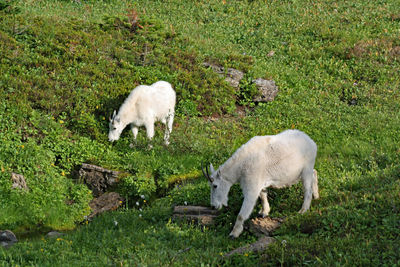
65, 66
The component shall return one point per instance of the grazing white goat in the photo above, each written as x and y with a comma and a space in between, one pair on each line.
265, 161
144, 106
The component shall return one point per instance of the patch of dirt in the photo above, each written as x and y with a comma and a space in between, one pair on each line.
367, 48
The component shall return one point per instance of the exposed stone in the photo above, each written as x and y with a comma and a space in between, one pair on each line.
267, 88
232, 76
97, 178
7, 238
106, 202
53, 234
18, 181
258, 246
198, 214
264, 226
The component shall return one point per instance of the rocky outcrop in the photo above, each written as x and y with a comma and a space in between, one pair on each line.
267, 88
98, 179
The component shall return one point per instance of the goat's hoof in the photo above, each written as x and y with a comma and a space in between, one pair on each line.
302, 211
232, 237
131, 145
263, 214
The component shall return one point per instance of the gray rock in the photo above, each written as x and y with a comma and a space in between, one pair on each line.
53, 234
7, 238
97, 178
267, 88
232, 76
18, 181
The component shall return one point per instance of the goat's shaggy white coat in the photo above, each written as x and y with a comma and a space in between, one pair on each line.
144, 106
266, 161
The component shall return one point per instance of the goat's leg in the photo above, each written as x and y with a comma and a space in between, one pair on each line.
264, 203
315, 185
308, 178
168, 127
135, 131
150, 132
245, 211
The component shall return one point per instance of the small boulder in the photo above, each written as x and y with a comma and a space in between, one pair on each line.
267, 89
107, 201
18, 181
7, 238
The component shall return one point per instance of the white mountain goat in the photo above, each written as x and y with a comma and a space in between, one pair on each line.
144, 106
265, 161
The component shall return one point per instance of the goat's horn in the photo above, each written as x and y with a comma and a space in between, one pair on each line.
113, 115
205, 173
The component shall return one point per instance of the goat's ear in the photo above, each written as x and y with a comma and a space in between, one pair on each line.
211, 168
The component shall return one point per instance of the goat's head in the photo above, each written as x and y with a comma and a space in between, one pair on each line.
116, 127
219, 187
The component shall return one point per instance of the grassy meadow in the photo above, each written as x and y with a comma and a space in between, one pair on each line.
66, 65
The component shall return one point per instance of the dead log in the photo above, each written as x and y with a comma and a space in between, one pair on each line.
198, 214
